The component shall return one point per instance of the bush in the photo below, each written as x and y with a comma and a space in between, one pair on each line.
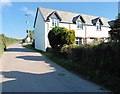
33, 43
49, 50
2, 46
115, 30
59, 36
99, 63
5, 42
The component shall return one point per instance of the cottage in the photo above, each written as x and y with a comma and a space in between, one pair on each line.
87, 28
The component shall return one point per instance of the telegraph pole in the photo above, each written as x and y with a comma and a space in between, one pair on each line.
27, 22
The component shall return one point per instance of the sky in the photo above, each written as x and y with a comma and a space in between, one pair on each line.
13, 18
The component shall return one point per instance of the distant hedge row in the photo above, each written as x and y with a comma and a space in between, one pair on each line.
5, 42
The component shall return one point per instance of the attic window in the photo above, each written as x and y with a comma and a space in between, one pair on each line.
79, 24
98, 26
55, 22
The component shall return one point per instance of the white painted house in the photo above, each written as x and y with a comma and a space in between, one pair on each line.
86, 27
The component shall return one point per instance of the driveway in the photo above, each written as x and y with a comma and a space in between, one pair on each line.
23, 70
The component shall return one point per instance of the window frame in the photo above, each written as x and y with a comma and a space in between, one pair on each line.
79, 25
78, 41
55, 22
98, 26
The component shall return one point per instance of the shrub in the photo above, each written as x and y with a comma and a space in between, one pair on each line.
101, 61
115, 30
33, 43
49, 50
2, 46
5, 42
59, 36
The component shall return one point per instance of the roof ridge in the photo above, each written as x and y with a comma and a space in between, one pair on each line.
75, 13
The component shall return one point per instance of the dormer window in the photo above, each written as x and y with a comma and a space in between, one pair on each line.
98, 26
79, 24
55, 22
79, 21
98, 23
54, 18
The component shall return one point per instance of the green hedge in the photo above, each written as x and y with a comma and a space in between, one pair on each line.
1, 47
5, 42
100, 63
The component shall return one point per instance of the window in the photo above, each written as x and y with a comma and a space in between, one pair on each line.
79, 24
98, 26
55, 22
78, 41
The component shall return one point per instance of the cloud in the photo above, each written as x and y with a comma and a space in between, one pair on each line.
28, 11
6, 3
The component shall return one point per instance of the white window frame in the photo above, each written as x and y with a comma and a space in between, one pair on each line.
79, 41
55, 22
98, 26
79, 24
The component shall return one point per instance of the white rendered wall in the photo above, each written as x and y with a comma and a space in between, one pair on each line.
91, 31
40, 33
78, 32
88, 31
47, 29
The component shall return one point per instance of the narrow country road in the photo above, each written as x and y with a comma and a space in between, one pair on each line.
23, 70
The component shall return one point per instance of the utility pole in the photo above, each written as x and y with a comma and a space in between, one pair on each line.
27, 30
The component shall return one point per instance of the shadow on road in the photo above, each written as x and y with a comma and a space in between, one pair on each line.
29, 82
33, 58
18, 50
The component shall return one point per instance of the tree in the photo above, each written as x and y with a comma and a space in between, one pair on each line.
115, 30
59, 36
31, 34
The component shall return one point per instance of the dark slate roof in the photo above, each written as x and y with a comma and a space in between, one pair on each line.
79, 17
68, 16
111, 22
94, 21
54, 14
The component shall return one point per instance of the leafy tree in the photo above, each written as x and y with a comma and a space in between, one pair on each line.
30, 34
115, 30
59, 36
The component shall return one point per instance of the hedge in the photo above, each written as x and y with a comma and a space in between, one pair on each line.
100, 63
